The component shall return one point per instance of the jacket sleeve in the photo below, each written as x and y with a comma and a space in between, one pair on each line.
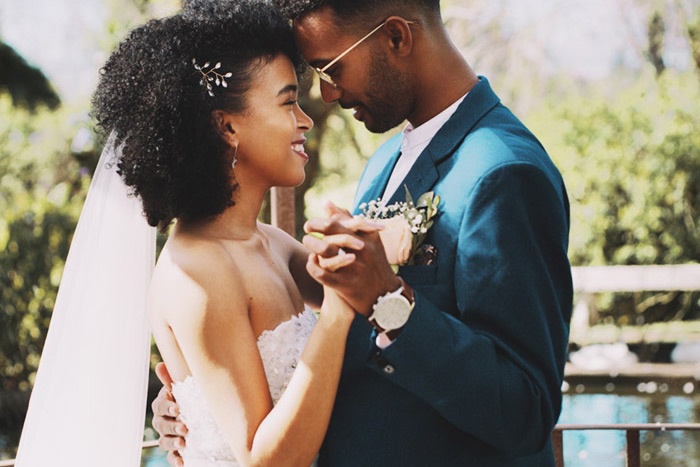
493, 365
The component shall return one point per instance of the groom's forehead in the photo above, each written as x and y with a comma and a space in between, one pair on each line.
319, 36
321, 22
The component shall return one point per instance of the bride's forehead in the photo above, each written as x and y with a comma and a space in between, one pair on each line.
276, 73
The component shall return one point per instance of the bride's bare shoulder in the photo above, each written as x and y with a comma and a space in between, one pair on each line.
275, 232
194, 256
197, 273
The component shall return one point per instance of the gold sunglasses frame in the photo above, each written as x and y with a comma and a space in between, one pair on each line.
321, 72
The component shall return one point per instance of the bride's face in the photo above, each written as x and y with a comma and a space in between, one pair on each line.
270, 132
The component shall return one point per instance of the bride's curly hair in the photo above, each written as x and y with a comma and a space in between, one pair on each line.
149, 94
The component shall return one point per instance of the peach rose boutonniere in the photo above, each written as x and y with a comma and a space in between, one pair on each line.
405, 226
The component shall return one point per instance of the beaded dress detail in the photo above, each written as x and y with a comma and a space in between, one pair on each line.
280, 350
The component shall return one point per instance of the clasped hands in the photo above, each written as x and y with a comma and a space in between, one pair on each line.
347, 255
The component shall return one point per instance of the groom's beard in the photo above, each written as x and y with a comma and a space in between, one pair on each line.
387, 103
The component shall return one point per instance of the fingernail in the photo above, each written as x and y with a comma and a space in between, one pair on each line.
172, 411
348, 258
180, 430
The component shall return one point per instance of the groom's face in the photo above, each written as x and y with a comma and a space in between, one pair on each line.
366, 79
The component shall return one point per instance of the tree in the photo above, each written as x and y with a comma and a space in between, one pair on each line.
28, 86
656, 43
694, 37
632, 168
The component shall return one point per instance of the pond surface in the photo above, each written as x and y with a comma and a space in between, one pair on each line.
646, 403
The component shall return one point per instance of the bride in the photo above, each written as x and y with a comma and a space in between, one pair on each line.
203, 120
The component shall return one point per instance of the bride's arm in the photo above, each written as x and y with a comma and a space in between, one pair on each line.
311, 291
209, 318
303, 412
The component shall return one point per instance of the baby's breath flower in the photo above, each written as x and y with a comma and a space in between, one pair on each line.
418, 215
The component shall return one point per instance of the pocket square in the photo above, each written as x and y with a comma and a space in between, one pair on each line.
425, 255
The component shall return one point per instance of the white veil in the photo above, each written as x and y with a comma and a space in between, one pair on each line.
88, 404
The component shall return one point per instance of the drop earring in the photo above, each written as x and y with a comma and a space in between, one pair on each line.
235, 159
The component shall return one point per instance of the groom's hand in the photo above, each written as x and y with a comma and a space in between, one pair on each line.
165, 422
363, 280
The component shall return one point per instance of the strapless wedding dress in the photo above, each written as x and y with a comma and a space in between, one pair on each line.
280, 350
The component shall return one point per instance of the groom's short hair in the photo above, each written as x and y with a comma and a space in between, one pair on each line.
354, 11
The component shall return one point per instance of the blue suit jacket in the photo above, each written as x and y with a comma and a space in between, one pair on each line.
475, 376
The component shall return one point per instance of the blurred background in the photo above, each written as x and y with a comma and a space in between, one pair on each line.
611, 87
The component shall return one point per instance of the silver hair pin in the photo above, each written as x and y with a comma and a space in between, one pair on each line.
210, 75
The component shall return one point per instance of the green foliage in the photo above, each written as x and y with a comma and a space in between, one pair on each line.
46, 158
632, 168
41, 193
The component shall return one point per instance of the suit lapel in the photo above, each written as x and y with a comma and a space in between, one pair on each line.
425, 172
419, 179
378, 184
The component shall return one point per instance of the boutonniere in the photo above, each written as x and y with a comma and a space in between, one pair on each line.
405, 227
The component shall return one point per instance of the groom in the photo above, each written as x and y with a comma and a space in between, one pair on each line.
462, 360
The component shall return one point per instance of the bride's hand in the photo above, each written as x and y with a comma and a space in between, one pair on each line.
335, 306
334, 249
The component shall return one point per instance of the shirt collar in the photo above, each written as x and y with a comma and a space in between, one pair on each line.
422, 134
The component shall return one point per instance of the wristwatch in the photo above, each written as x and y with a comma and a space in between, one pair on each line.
391, 311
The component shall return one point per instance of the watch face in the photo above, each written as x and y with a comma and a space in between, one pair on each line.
392, 312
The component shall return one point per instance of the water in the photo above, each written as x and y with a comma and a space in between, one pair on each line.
636, 404
645, 403
153, 457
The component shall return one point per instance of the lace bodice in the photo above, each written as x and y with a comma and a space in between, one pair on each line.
280, 350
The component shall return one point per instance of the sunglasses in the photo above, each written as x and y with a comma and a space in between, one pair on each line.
321, 72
